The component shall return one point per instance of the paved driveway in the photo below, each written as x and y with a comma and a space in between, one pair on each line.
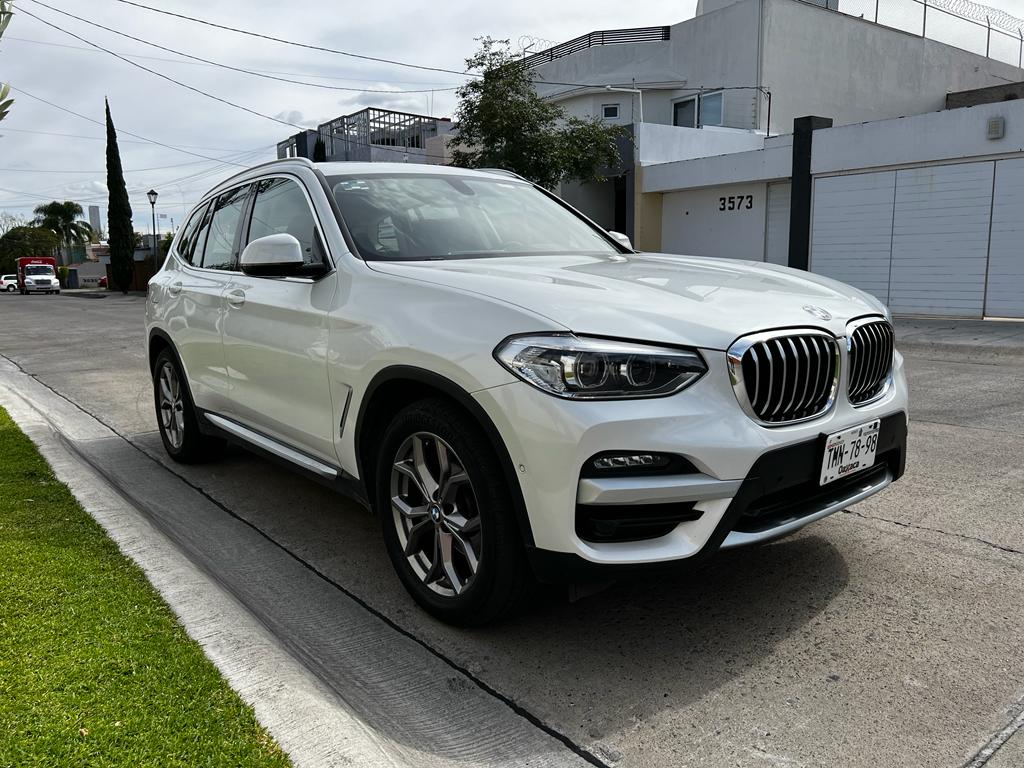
886, 635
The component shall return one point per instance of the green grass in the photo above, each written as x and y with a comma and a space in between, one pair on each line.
94, 668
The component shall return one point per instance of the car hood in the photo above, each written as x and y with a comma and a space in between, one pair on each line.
702, 302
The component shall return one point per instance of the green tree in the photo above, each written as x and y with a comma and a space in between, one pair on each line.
24, 241
503, 123
121, 237
319, 151
62, 218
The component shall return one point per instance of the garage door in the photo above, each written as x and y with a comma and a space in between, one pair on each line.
776, 243
1005, 291
940, 239
851, 235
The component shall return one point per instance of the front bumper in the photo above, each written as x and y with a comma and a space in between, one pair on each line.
737, 462
41, 288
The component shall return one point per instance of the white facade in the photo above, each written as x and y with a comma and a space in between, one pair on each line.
926, 213
811, 59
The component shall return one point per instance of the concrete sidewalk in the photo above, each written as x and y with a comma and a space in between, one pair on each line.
999, 337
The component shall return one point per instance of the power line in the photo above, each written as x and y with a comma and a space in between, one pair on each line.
161, 75
221, 65
441, 86
401, 150
146, 139
296, 44
100, 138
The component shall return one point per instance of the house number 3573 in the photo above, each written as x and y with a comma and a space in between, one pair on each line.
736, 202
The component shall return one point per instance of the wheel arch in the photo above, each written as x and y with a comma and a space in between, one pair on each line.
395, 387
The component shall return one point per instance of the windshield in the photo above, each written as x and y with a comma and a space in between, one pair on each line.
414, 217
38, 269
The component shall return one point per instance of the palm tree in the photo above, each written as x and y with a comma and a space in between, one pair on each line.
62, 219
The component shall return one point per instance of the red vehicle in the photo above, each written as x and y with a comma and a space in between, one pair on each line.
37, 274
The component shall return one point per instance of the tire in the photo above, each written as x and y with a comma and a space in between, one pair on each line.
176, 414
479, 506
10, 289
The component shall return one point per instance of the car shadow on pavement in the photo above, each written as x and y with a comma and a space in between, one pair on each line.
593, 667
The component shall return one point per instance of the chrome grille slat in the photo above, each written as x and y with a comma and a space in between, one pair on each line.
871, 346
785, 376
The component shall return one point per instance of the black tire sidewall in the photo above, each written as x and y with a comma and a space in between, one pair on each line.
502, 572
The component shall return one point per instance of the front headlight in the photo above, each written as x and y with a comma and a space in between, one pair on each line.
29, 281
581, 368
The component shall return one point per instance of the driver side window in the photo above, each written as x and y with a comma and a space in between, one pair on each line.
281, 207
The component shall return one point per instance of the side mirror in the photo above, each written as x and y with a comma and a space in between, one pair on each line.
272, 256
621, 239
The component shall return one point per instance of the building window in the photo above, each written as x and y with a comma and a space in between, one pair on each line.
686, 114
610, 111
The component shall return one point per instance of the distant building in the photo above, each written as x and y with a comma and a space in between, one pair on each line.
94, 218
371, 135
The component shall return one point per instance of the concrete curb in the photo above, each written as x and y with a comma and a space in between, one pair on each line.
333, 681
304, 716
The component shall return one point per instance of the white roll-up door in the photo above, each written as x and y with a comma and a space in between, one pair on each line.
851, 229
1005, 290
940, 239
776, 243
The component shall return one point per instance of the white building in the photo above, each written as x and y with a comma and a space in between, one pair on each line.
894, 205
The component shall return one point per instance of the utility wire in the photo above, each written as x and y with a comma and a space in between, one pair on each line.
441, 86
222, 65
400, 150
207, 23
146, 139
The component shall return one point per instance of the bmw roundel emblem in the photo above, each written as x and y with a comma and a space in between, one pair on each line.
818, 312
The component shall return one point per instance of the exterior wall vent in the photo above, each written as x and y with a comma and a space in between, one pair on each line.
996, 128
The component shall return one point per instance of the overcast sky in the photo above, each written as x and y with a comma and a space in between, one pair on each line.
36, 166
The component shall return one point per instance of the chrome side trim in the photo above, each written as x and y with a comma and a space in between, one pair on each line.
739, 348
273, 446
742, 539
654, 489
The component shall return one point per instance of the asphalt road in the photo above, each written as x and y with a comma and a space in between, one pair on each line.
886, 635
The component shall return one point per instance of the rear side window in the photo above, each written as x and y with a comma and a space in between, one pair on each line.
219, 252
187, 239
281, 207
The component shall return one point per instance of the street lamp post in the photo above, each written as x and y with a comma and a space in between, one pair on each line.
152, 195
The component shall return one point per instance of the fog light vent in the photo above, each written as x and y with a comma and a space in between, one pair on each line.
635, 460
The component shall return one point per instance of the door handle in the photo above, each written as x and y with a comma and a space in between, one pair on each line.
236, 298
174, 288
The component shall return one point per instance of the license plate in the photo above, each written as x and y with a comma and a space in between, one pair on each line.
849, 451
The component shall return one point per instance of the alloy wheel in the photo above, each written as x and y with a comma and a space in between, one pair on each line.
436, 514
172, 415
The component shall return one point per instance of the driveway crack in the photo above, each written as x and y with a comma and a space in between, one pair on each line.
914, 526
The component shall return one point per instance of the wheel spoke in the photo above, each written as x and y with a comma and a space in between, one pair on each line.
405, 509
445, 543
419, 461
443, 466
165, 388
417, 538
455, 478
436, 568
414, 478
165, 415
468, 552
462, 525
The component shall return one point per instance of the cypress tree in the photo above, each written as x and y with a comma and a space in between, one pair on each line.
120, 234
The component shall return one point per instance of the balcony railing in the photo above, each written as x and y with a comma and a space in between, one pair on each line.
604, 37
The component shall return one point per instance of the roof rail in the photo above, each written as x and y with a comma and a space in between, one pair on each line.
275, 161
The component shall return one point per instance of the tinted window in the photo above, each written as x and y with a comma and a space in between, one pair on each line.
219, 252
281, 207
416, 216
187, 239
685, 113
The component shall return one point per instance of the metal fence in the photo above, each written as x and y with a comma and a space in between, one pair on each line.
963, 24
603, 37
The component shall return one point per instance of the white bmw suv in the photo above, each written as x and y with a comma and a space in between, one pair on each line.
516, 393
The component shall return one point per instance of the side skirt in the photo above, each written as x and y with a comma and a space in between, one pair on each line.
269, 448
